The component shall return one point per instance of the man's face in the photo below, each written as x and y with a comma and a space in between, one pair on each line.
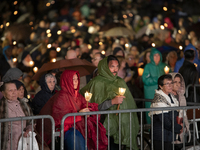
96, 59
113, 66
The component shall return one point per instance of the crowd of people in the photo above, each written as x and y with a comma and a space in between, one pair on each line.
146, 63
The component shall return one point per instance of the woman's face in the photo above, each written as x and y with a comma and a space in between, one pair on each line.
156, 58
177, 84
167, 86
10, 92
20, 92
148, 57
75, 81
51, 83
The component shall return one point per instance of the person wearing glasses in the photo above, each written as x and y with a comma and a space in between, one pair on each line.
164, 98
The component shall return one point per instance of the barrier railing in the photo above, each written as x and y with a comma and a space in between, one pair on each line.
141, 111
142, 139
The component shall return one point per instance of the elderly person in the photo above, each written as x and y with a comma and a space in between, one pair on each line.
47, 83
11, 107
164, 98
69, 100
178, 91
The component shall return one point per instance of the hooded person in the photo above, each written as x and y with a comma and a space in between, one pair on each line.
47, 83
12, 74
178, 91
152, 72
69, 100
179, 63
104, 88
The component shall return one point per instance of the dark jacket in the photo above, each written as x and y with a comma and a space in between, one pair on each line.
42, 96
4, 66
190, 76
189, 73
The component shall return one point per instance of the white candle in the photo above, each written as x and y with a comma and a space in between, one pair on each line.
166, 69
122, 91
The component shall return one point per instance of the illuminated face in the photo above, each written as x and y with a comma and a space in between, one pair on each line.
177, 84
10, 92
20, 92
167, 86
51, 83
75, 81
156, 58
113, 66
96, 59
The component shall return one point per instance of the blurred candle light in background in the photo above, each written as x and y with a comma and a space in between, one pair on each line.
48, 45
180, 47
14, 60
103, 52
58, 49
153, 44
35, 69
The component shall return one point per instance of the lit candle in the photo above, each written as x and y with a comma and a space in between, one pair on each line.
88, 96
121, 93
195, 64
166, 69
58, 49
180, 47
35, 69
153, 44
140, 71
53, 60
31, 63
14, 60
199, 80
59, 32
162, 27
103, 52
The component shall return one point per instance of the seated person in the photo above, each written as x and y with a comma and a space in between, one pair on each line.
69, 100
164, 98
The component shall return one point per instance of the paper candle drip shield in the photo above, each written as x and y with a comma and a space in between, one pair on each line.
88, 96
122, 91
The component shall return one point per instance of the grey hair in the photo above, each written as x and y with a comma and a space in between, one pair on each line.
51, 76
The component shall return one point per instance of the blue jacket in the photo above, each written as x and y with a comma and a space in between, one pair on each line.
179, 63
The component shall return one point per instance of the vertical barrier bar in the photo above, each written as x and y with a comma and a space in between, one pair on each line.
130, 132
141, 131
194, 128
85, 132
108, 132
97, 132
151, 131
119, 131
32, 132
74, 133
173, 128
0, 136
42, 134
162, 131
183, 129
11, 135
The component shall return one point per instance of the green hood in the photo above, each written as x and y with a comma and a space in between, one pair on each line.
104, 70
104, 87
153, 52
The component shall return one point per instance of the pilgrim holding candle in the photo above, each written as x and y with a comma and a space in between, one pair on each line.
69, 100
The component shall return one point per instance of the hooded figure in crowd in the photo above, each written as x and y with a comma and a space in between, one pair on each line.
105, 90
179, 63
69, 100
47, 83
152, 72
12, 74
178, 91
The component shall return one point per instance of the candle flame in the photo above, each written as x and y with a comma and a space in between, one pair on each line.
122, 91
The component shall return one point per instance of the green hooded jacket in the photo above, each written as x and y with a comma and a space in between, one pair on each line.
104, 87
151, 74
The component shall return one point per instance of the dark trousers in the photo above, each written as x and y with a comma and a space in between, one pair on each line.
167, 146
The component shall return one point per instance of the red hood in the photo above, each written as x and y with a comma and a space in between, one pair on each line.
66, 82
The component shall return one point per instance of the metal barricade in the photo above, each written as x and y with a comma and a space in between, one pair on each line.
140, 111
32, 118
195, 91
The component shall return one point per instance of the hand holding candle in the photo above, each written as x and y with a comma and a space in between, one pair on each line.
166, 69
88, 96
121, 93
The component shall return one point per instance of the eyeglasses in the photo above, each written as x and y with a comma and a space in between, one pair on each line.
168, 84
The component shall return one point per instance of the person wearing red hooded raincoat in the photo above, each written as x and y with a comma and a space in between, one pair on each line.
69, 100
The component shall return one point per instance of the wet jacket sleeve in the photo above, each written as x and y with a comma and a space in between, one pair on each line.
147, 78
105, 105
